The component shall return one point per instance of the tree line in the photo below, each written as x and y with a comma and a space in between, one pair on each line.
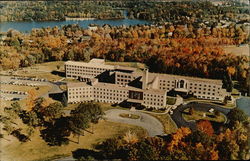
173, 49
177, 11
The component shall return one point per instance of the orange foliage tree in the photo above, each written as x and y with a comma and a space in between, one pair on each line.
205, 126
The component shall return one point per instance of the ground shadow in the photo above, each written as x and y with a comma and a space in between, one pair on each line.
187, 113
86, 153
61, 74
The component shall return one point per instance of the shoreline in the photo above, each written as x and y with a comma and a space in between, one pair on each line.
81, 19
70, 19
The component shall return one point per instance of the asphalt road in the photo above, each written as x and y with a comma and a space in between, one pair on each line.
54, 87
151, 124
181, 122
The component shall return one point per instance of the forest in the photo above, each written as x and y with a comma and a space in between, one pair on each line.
173, 49
179, 12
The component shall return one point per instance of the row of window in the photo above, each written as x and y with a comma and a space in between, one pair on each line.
110, 98
83, 71
209, 89
162, 80
151, 99
153, 103
84, 92
73, 67
78, 73
208, 93
204, 85
208, 97
79, 89
153, 95
167, 85
123, 76
123, 80
110, 90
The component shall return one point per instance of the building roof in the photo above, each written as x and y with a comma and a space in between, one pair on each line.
77, 84
94, 64
151, 76
99, 61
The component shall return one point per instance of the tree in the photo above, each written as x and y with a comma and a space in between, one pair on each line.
16, 107
57, 133
143, 151
30, 118
53, 111
31, 98
92, 110
205, 126
217, 113
191, 111
235, 115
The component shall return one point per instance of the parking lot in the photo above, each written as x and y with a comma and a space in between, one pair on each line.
18, 86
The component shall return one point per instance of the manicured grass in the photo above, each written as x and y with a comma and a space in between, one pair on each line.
37, 149
171, 101
168, 124
71, 80
155, 110
198, 115
218, 103
104, 106
130, 116
108, 106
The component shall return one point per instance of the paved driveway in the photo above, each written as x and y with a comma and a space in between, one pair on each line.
151, 124
181, 122
54, 86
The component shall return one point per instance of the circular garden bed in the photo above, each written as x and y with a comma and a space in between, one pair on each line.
130, 116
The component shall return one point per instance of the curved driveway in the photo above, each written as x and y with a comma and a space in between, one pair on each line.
181, 122
151, 124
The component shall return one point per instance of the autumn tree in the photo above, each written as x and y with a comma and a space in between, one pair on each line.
31, 98
205, 126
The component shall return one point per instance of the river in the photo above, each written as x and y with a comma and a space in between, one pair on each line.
244, 104
27, 26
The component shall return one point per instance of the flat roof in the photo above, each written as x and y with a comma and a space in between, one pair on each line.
151, 76
117, 86
96, 60
77, 84
93, 65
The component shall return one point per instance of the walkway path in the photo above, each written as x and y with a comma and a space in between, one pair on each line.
152, 125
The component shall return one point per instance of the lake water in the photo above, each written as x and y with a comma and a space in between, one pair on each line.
27, 26
244, 104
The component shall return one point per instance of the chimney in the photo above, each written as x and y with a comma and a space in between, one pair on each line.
145, 79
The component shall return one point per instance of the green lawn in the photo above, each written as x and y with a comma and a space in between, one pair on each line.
198, 115
171, 101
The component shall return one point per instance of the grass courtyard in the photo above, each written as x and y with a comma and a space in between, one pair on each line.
37, 149
198, 115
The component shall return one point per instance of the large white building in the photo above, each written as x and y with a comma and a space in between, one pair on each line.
135, 86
